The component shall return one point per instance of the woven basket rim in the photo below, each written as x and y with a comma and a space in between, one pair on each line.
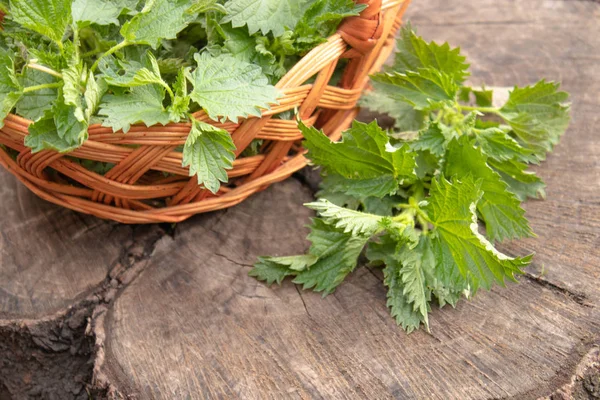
295, 90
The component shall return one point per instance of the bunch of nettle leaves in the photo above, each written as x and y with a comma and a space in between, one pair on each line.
414, 196
67, 64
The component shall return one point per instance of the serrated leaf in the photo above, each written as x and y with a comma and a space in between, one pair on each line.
405, 116
265, 15
415, 53
538, 115
276, 269
424, 89
360, 188
338, 254
143, 104
363, 154
181, 102
203, 6
457, 243
46, 17
94, 91
72, 78
484, 98
209, 152
69, 128
99, 12
521, 182
43, 135
497, 144
322, 18
500, 209
32, 105
228, 88
415, 262
401, 309
349, 221
432, 139
125, 73
10, 88
159, 20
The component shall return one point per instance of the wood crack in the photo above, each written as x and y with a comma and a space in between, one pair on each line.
303, 302
578, 298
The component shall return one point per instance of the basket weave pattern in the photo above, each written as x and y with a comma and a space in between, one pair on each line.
137, 190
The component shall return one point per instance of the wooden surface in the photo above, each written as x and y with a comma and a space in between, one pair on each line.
181, 319
49, 257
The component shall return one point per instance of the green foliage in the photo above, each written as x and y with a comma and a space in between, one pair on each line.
228, 88
66, 63
10, 88
143, 104
209, 152
414, 196
265, 15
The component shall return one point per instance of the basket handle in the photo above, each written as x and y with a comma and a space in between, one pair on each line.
362, 32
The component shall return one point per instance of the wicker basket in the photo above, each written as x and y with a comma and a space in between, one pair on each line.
136, 189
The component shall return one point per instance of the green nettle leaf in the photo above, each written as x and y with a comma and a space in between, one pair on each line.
69, 128
338, 254
415, 262
364, 154
181, 102
521, 182
359, 188
415, 53
538, 116
432, 139
405, 116
227, 88
99, 12
94, 91
123, 73
349, 221
159, 20
457, 243
276, 269
497, 144
143, 104
499, 208
209, 152
401, 309
265, 15
484, 98
43, 135
424, 89
72, 78
203, 6
10, 88
32, 105
46, 17
322, 17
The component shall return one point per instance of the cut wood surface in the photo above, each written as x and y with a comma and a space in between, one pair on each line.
179, 318
195, 326
49, 256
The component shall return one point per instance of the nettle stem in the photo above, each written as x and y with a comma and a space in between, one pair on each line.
110, 51
49, 71
41, 87
488, 110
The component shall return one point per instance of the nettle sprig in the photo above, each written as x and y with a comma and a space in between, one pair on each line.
414, 196
68, 64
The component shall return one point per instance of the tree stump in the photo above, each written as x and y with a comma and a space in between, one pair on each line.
173, 314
